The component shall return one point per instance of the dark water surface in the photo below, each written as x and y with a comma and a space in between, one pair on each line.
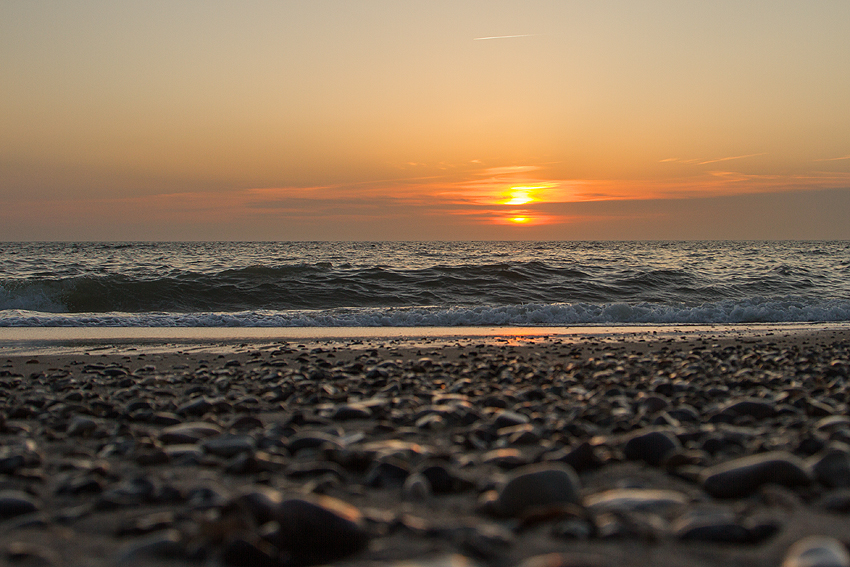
322, 284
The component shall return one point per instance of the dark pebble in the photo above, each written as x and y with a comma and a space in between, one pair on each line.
536, 486
318, 532
650, 446
741, 477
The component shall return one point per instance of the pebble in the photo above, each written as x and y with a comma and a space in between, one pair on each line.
25, 555
741, 477
817, 551
536, 486
719, 525
15, 503
635, 500
229, 445
167, 544
186, 433
81, 426
832, 466
320, 531
650, 446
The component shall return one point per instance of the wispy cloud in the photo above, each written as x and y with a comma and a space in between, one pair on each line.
503, 36
696, 161
509, 169
730, 158
834, 158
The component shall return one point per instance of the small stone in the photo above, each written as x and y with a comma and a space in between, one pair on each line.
832, 466
444, 481
505, 458
25, 555
817, 551
835, 501
536, 486
312, 440
228, 445
753, 407
741, 477
347, 412
187, 453
582, 457
81, 426
319, 531
635, 500
718, 525
650, 446
186, 433
387, 473
15, 503
197, 407
416, 488
507, 418
160, 545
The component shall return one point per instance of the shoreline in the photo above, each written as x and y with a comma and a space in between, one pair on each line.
70, 340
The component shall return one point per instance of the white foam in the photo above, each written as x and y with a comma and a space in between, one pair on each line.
756, 310
32, 297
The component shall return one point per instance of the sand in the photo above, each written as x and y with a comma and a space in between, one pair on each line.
420, 431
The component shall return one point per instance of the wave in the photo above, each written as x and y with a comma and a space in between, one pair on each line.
323, 286
755, 310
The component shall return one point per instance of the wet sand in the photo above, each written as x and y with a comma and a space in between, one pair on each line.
663, 446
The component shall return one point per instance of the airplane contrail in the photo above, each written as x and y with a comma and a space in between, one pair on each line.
503, 36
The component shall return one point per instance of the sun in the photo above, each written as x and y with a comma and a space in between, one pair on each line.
520, 196
519, 220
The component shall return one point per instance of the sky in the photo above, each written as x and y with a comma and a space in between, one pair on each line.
425, 120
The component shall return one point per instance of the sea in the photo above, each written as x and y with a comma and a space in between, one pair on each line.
421, 284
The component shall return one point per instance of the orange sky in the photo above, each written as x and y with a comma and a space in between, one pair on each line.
410, 120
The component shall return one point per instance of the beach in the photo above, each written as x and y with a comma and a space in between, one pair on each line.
679, 446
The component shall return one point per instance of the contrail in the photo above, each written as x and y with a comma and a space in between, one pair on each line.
833, 158
730, 158
503, 36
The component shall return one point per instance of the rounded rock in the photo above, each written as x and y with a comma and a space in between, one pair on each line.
15, 503
319, 531
817, 551
741, 477
650, 446
832, 466
536, 486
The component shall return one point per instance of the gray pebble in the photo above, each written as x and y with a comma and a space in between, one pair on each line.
741, 477
817, 551
832, 466
650, 446
318, 531
191, 432
228, 445
15, 503
635, 500
536, 486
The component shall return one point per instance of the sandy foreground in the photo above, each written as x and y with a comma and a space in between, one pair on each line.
668, 446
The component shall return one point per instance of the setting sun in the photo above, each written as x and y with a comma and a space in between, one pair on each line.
520, 220
520, 195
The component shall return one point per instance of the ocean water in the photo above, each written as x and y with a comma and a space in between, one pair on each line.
387, 284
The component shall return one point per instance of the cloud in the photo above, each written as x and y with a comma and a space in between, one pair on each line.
731, 158
704, 162
509, 169
503, 36
834, 158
